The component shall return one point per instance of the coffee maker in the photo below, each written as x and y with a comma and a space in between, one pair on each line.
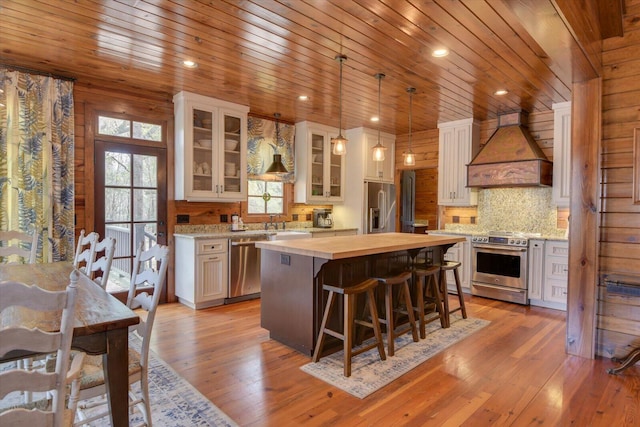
322, 218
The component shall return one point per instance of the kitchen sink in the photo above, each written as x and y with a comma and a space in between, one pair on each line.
289, 235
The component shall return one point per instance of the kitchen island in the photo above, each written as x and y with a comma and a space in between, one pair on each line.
293, 271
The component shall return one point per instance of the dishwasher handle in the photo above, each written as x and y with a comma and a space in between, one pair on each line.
251, 243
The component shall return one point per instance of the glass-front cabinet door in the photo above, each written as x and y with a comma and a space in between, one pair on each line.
211, 144
233, 175
202, 151
318, 144
319, 172
335, 176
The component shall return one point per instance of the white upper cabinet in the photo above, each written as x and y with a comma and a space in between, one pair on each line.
562, 153
211, 153
319, 173
364, 140
458, 144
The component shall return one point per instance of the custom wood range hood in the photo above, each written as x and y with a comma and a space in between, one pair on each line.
511, 157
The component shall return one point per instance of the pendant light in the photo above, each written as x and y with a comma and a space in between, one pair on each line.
340, 142
409, 157
379, 148
277, 168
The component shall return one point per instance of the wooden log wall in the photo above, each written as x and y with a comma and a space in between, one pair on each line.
618, 316
425, 145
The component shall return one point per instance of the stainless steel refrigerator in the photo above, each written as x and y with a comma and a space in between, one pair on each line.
407, 201
379, 207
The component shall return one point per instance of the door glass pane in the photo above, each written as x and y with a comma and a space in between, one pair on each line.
114, 127
145, 171
148, 131
145, 202
117, 168
121, 265
117, 204
145, 233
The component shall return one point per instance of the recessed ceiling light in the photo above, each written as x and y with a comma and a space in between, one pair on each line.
189, 63
439, 53
501, 92
375, 119
303, 98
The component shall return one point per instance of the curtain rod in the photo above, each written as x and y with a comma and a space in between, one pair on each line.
38, 72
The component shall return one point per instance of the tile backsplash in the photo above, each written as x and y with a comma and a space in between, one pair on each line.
528, 210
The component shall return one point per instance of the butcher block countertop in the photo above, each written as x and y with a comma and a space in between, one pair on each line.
340, 247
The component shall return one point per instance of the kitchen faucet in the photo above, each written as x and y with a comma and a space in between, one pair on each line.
270, 224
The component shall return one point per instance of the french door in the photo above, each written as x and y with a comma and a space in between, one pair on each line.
130, 202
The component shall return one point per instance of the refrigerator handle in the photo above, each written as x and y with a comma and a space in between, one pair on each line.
382, 204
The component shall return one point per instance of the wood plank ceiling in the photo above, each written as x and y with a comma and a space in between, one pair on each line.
264, 53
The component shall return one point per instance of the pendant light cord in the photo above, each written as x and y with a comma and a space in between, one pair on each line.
342, 58
380, 76
411, 91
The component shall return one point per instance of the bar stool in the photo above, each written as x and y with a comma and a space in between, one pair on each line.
451, 266
428, 296
349, 300
389, 283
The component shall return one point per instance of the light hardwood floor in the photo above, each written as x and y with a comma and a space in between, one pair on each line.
514, 372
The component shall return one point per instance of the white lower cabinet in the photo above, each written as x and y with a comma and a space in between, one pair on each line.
460, 252
201, 271
548, 273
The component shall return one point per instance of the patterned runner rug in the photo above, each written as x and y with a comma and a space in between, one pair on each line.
369, 373
174, 402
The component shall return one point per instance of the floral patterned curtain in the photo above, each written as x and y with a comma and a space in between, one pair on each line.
36, 160
263, 144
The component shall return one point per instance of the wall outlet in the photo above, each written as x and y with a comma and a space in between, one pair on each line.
224, 218
285, 259
182, 219
294, 217
456, 219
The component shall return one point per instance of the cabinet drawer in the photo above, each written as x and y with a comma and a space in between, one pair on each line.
211, 246
557, 249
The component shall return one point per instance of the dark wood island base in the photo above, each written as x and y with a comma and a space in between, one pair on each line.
292, 300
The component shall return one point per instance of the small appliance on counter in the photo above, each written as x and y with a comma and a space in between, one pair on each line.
236, 223
322, 218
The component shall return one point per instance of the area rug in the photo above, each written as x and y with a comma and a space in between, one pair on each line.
369, 373
174, 402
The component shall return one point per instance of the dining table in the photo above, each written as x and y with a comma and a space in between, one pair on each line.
101, 325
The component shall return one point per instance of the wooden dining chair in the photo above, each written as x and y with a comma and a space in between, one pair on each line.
18, 247
146, 286
51, 410
85, 251
101, 266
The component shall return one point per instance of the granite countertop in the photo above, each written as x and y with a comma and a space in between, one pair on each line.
559, 235
340, 247
228, 234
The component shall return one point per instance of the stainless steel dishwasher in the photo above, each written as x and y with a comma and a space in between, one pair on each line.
244, 268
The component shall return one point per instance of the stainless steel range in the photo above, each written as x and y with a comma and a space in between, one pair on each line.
500, 266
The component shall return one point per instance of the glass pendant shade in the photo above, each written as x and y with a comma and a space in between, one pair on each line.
378, 152
339, 145
409, 157
340, 142
379, 149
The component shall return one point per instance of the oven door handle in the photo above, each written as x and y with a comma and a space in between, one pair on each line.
501, 248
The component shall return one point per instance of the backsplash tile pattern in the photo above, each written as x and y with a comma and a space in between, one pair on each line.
527, 210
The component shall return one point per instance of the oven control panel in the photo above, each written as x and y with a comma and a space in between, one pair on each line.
501, 240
